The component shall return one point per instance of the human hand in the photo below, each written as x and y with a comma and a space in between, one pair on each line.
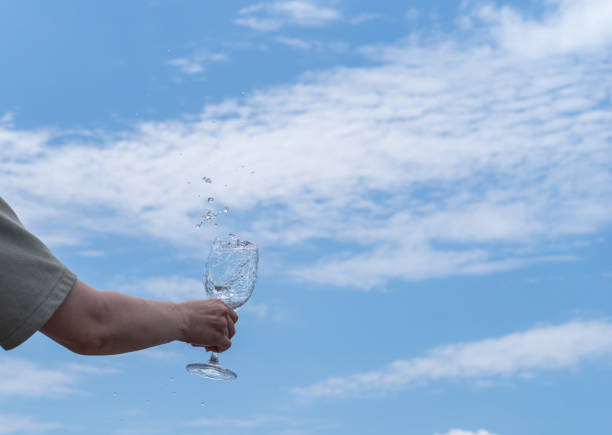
208, 323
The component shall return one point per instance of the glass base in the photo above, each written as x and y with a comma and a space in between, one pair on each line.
211, 371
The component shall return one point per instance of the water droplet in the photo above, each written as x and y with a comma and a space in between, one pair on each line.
225, 209
242, 93
252, 172
242, 166
171, 379
225, 185
189, 182
209, 216
207, 180
199, 225
174, 393
114, 394
211, 199
202, 404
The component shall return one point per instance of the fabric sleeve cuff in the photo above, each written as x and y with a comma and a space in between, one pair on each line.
43, 312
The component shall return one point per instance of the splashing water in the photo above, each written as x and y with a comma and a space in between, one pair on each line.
231, 270
209, 217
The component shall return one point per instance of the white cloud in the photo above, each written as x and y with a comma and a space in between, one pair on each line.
23, 378
160, 354
514, 355
270, 424
566, 26
302, 44
436, 160
466, 432
196, 63
26, 379
92, 253
274, 15
7, 119
19, 424
91, 369
261, 311
173, 288
177, 288
294, 43
363, 18
248, 423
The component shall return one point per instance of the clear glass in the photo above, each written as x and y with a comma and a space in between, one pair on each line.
231, 273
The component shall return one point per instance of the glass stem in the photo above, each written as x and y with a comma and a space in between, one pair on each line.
213, 358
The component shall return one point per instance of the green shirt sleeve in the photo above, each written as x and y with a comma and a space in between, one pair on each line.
33, 282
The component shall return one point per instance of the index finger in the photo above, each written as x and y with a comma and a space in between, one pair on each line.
232, 315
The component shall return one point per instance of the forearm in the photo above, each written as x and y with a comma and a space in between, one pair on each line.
94, 322
128, 323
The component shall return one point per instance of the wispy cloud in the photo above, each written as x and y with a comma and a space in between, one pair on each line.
26, 379
515, 355
567, 26
274, 15
435, 160
160, 354
91, 369
363, 18
174, 288
303, 44
196, 63
178, 288
270, 424
466, 432
263, 311
20, 424
92, 253
23, 378
7, 119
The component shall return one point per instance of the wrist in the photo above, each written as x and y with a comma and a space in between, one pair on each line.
181, 321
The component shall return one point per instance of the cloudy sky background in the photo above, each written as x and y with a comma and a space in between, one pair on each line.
429, 185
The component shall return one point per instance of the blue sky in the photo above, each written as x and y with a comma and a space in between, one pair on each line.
429, 184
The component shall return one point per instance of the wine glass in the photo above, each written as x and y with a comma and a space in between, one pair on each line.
231, 272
